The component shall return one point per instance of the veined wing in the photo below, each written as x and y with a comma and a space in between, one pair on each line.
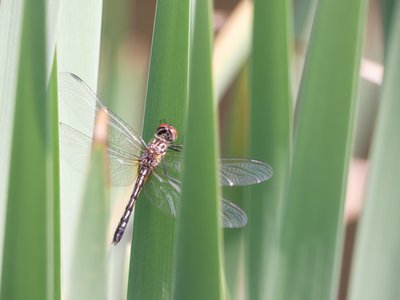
232, 215
233, 171
238, 171
77, 147
164, 191
84, 103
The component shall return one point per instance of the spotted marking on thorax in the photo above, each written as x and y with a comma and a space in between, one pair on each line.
155, 151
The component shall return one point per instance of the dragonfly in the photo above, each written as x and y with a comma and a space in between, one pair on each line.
156, 165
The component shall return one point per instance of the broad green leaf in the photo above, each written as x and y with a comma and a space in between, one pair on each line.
310, 245
376, 261
26, 236
89, 277
115, 22
150, 273
234, 138
54, 246
270, 140
11, 14
78, 40
198, 272
78, 50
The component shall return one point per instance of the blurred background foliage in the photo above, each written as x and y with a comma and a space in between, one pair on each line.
309, 86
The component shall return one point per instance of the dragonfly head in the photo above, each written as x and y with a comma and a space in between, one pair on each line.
167, 132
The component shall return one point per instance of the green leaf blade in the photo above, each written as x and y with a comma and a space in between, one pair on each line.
78, 47
270, 140
54, 228
311, 237
11, 14
89, 277
25, 242
376, 256
151, 265
199, 244
234, 144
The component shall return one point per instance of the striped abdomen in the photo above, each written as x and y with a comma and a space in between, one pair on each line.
144, 173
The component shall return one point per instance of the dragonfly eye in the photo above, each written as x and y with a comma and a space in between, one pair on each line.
167, 132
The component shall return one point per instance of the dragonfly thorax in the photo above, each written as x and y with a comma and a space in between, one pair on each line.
154, 152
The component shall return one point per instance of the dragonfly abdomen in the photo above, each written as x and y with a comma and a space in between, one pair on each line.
144, 173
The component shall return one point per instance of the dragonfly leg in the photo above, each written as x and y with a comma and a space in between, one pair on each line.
165, 169
177, 148
166, 173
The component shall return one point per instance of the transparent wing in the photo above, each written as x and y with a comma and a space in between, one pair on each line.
232, 215
84, 103
76, 148
233, 171
164, 191
237, 171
